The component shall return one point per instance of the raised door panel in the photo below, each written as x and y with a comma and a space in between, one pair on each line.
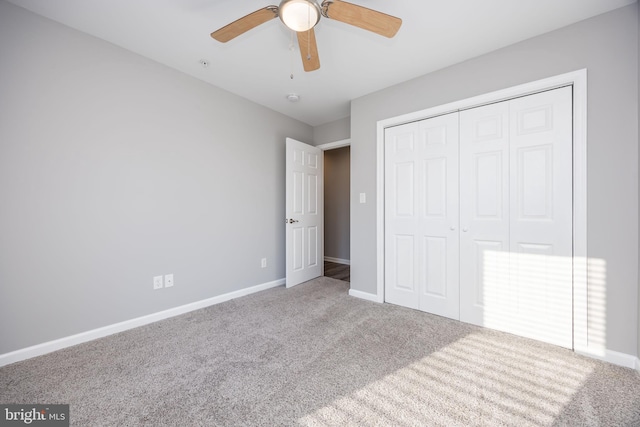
487, 175
534, 182
312, 247
297, 203
435, 187
403, 190
434, 265
312, 194
404, 263
298, 245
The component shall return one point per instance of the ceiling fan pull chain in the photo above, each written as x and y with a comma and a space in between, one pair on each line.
291, 48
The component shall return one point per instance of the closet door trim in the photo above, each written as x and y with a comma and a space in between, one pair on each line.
578, 79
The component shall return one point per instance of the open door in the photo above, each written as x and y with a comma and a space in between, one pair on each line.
304, 212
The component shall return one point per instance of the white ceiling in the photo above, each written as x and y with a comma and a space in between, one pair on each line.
257, 65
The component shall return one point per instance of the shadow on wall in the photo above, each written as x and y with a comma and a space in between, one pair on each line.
597, 305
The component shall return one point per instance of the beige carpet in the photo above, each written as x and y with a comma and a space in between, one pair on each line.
313, 356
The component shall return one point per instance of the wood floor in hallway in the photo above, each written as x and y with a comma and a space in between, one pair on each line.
337, 271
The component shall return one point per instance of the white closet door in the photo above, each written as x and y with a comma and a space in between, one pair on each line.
541, 217
516, 205
509, 264
484, 214
421, 214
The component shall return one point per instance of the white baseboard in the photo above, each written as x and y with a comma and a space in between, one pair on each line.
48, 347
614, 357
638, 364
365, 295
338, 260
621, 359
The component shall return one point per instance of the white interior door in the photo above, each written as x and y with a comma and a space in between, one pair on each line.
304, 212
516, 216
421, 212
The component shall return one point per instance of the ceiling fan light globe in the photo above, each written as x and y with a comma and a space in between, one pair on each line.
299, 15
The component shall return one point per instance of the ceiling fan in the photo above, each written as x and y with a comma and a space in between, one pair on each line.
302, 16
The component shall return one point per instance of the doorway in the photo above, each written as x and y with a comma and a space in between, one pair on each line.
337, 194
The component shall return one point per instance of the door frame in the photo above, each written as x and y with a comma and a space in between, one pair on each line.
578, 79
335, 144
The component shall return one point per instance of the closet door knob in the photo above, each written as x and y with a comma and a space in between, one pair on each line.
452, 228
465, 230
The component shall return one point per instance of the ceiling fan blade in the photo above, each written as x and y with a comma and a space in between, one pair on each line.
244, 24
308, 50
367, 19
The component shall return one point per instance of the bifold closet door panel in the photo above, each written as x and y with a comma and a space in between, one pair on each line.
421, 215
541, 230
484, 215
439, 243
401, 218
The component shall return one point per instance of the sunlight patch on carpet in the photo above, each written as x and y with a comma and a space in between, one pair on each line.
477, 380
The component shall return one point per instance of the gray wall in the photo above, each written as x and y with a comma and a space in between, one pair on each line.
607, 46
332, 131
114, 169
337, 170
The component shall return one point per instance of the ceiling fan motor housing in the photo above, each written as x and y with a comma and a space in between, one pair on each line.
299, 15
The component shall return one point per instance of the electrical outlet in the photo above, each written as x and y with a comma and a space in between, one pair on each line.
157, 282
263, 263
168, 280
